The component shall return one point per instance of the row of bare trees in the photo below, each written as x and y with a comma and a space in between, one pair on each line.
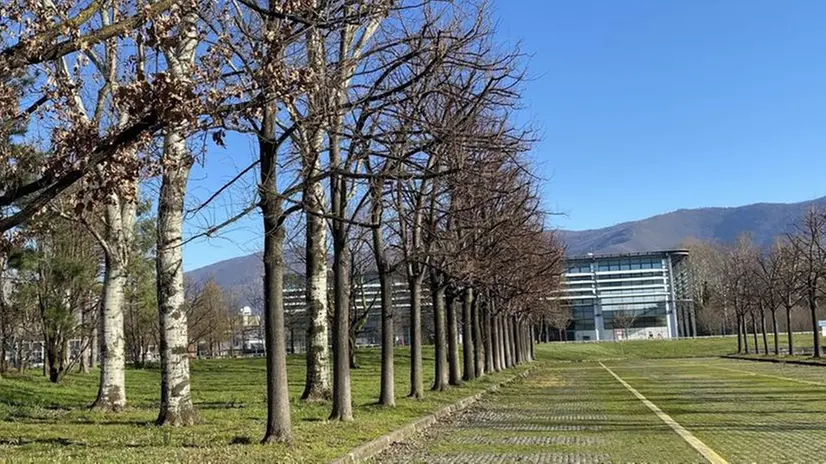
745, 289
392, 117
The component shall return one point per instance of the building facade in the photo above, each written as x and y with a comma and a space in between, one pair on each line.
365, 313
625, 296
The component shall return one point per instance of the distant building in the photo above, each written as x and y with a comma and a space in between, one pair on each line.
626, 296
245, 337
365, 301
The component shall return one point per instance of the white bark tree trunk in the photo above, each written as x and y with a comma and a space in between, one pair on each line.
117, 242
317, 385
112, 390
176, 402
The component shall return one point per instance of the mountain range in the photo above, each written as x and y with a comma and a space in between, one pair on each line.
764, 221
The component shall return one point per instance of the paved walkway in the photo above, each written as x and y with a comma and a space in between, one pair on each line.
573, 414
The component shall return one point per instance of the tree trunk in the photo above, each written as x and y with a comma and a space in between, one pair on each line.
763, 330
744, 325
502, 341
351, 349
508, 341
739, 336
442, 376
693, 315
493, 328
279, 425
468, 346
815, 328
533, 350
789, 332
85, 362
679, 318
342, 398
515, 355
499, 341
754, 332
515, 341
55, 363
529, 340
454, 370
317, 383
416, 382
776, 332
478, 342
525, 339
387, 394
488, 332
176, 403
112, 389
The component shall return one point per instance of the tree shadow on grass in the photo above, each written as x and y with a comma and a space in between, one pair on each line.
241, 440
79, 421
58, 441
220, 405
115, 421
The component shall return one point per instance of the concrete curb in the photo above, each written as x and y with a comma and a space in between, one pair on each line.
372, 448
800, 362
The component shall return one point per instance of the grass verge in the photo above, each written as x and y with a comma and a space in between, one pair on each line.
41, 422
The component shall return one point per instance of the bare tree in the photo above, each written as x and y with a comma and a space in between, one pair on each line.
738, 267
705, 265
769, 269
560, 317
810, 244
625, 319
787, 288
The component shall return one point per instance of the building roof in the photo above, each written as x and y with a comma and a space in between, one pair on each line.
676, 251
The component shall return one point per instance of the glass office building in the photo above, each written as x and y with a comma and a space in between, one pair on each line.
365, 303
624, 296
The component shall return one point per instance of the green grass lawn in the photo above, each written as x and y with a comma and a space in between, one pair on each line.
41, 422
746, 411
655, 349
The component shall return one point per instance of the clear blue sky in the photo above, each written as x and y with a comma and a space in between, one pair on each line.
648, 106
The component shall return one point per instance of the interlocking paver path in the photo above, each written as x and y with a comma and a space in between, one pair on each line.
579, 413
574, 415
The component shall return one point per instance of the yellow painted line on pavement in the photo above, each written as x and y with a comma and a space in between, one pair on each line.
689, 437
